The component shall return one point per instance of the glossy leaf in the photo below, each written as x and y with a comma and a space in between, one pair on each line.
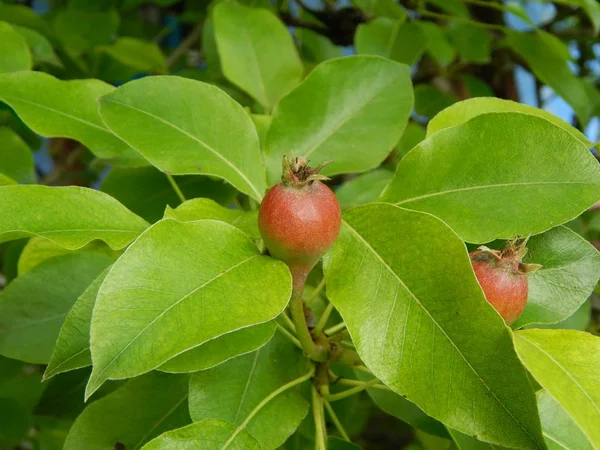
135, 413
365, 188
423, 326
184, 284
14, 53
34, 306
40, 47
484, 195
569, 273
465, 442
56, 108
221, 349
86, 215
205, 208
467, 109
373, 98
15, 156
566, 364
205, 435
142, 55
394, 39
558, 427
72, 350
554, 71
174, 129
256, 51
147, 192
231, 391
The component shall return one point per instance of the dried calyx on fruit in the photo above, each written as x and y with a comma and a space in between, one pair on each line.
299, 218
503, 277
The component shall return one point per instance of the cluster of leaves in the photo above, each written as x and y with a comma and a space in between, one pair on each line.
150, 297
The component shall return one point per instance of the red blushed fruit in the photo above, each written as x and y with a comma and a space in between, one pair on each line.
503, 277
299, 218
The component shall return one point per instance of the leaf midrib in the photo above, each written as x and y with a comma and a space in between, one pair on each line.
194, 138
193, 291
491, 186
359, 236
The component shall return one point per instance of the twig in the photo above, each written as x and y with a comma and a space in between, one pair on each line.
175, 187
336, 421
335, 329
318, 413
323, 320
289, 335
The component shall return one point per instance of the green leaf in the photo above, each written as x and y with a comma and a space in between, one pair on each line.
40, 46
262, 122
465, 442
315, 47
429, 100
179, 119
135, 413
85, 215
475, 87
467, 109
531, 177
454, 7
56, 108
554, 71
141, 55
25, 17
592, 9
394, 39
34, 306
14, 422
39, 249
413, 135
16, 157
184, 284
384, 8
560, 431
472, 43
80, 30
232, 390
72, 349
373, 98
569, 273
438, 44
566, 364
579, 320
14, 53
423, 327
205, 208
334, 443
5, 181
205, 435
257, 52
365, 188
397, 406
147, 192
221, 349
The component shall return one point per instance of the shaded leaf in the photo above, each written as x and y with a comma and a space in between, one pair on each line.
14, 53
423, 326
472, 43
132, 415
16, 158
365, 188
40, 46
80, 30
139, 54
34, 306
484, 195
430, 100
232, 390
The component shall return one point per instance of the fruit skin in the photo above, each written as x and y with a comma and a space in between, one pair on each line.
503, 278
299, 219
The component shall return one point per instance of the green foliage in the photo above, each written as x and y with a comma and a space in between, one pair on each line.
139, 307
